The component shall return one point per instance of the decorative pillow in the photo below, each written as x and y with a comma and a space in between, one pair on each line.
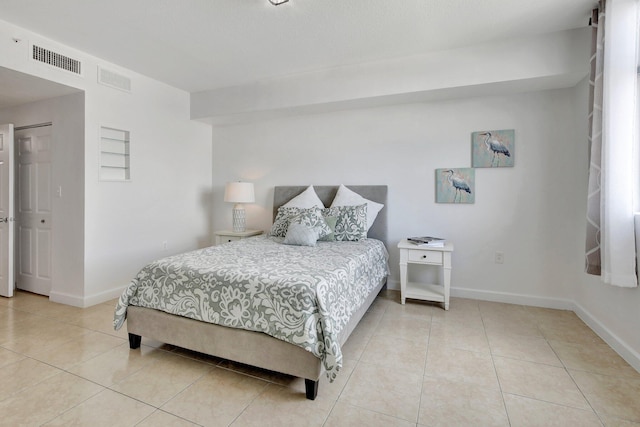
331, 222
351, 223
307, 199
311, 217
301, 235
346, 197
281, 222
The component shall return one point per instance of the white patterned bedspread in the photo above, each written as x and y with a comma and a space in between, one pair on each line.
302, 295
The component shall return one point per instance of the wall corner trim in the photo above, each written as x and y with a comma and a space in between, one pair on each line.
618, 345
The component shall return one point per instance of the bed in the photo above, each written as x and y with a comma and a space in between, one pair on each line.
254, 341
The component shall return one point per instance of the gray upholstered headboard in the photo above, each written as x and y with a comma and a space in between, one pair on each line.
326, 193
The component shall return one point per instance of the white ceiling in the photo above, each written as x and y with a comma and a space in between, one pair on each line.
198, 45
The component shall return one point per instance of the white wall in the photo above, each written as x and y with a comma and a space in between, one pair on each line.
168, 198
520, 211
395, 122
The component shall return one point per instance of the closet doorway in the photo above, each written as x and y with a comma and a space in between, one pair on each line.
33, 208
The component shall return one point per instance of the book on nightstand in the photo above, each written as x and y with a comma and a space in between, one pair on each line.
436, 242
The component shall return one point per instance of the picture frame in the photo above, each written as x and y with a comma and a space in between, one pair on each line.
493, 148
455, 185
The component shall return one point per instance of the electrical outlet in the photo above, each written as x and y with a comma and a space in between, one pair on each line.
499, 257
164, 245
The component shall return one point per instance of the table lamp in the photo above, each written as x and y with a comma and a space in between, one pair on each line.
239, 193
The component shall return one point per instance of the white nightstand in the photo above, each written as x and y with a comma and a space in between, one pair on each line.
226, 236
411, 253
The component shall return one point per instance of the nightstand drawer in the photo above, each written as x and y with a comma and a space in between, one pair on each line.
227, 239
226, 236
425, 257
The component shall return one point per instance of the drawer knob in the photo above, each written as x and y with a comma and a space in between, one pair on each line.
424, 256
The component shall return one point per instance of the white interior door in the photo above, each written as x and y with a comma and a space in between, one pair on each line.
33, 216
7, 281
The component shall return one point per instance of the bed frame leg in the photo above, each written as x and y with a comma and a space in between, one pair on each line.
134, 341
311, 388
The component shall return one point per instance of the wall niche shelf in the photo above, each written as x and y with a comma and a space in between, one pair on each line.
115, 164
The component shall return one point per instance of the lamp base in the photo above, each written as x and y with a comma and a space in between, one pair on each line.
239, 216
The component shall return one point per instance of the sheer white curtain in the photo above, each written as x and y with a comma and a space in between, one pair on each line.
618, 152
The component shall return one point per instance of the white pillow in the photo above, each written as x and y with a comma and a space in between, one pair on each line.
346, 197
307, 199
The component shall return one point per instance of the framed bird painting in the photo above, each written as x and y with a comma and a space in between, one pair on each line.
493, 148
456, 185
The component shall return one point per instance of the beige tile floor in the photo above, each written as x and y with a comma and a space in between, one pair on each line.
478, 364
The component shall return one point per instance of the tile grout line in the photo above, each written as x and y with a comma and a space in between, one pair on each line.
566, 369
168, 413
493, 363
358, 360
262, 391
424, 367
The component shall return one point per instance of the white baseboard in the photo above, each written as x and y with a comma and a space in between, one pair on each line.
86, 301
631, 356
510, 298
506, 297
104, 296
67, 299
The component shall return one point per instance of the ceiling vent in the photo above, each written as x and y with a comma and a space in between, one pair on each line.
113, 79
56, 59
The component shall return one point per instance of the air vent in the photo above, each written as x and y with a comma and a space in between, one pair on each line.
56, 59
113, 79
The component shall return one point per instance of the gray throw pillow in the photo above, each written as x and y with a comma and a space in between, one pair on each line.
311, 217
301, 235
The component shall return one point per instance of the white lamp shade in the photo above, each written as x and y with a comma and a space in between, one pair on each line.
239, 192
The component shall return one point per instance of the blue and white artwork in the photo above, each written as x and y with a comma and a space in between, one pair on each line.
456, 185
493, 148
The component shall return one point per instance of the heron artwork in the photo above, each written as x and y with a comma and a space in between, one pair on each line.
455, 185
496, 147
493, 148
